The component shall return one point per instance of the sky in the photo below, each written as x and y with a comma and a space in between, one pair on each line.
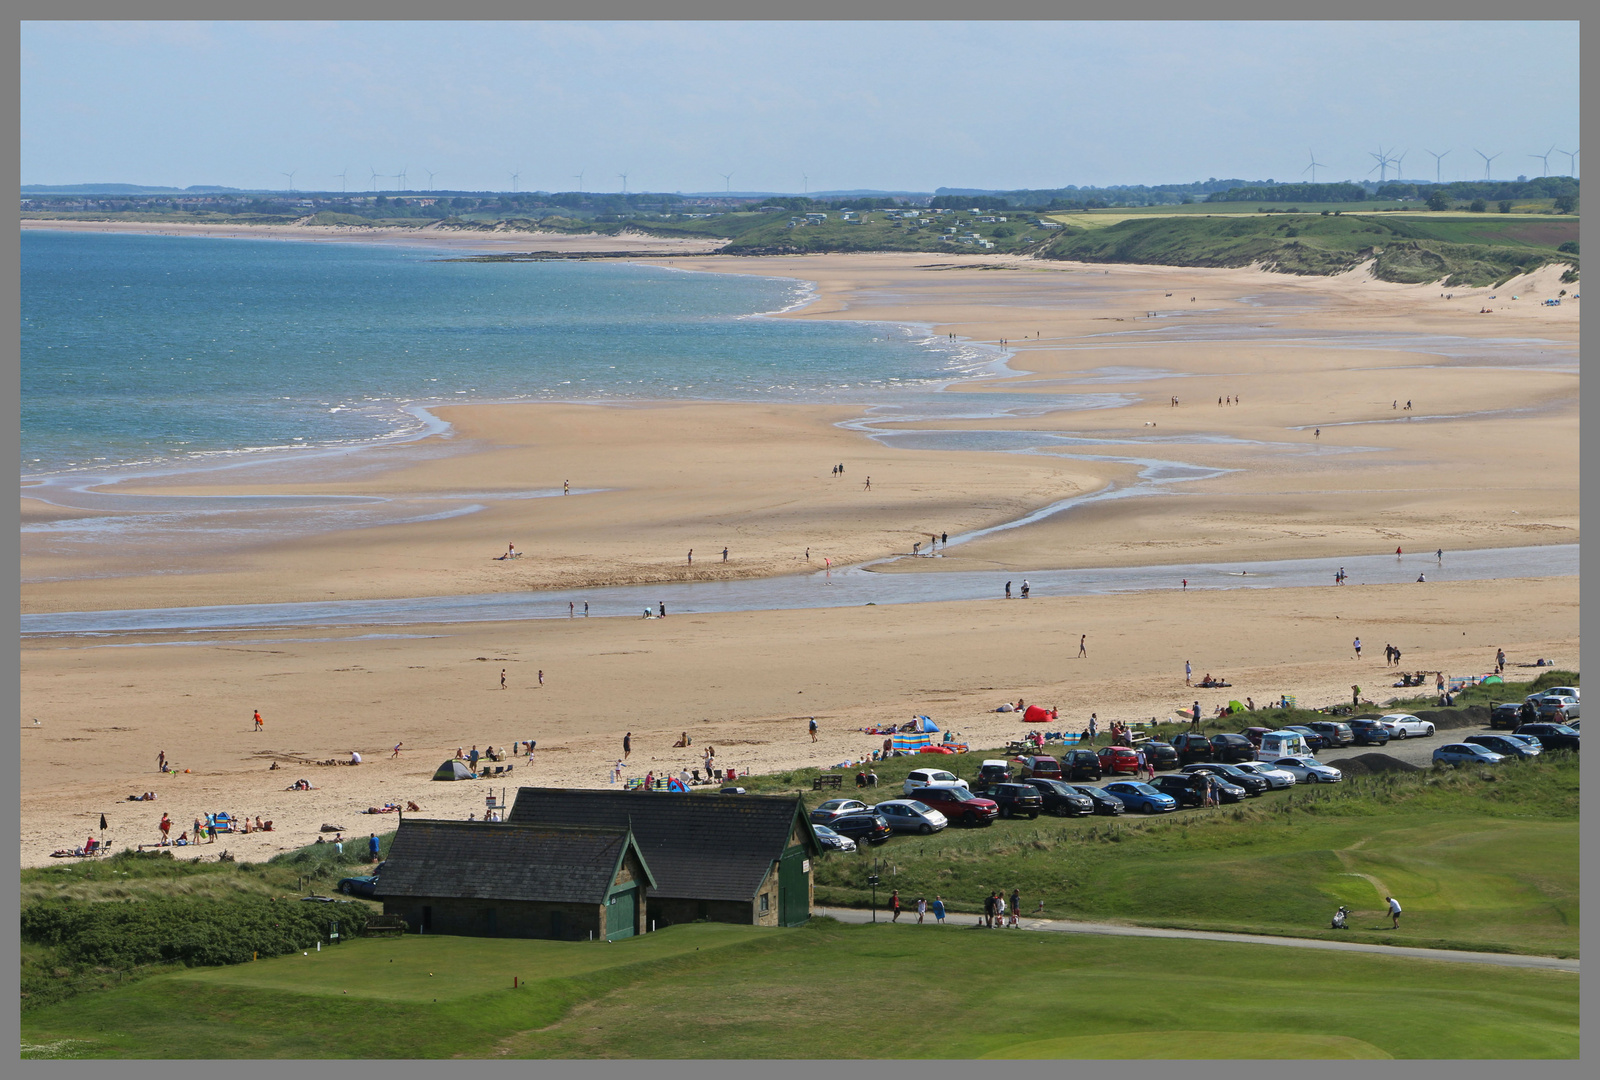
787, 107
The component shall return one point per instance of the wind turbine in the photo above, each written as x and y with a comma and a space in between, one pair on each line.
1487, 158
727, 178
341, 178
579, 178
1312, 168
624, 177
515, 176
1437, 158
401, 176
1396, 162
1382, 167
1545, 157
1572, 161
431, 175
375, 175
805, 184
290, 175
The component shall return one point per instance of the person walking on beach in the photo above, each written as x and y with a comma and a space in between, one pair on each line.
1185, 584
541, 676
566, 487
1355, 694
1394, 912
586, 609
1188, 673
1094, 726
396, 753
1440, 556
627, 745
502, 678
1083, 645
691, 556
1319, 433
868, 485
161, 761
662, 605
1024, 588
1499, 660
1356, 644
813, 729
1008, 590
258, 719
165, 827
1195, 712
944, 538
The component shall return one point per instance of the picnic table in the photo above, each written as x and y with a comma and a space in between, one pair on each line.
827, 780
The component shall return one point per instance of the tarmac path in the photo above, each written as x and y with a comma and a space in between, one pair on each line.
1062, 926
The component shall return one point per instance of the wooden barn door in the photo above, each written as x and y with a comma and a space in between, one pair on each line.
620, 918
794, 899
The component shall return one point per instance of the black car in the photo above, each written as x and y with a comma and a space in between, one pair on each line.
1016, 800
1104, 802
1228, 747
1080, 765
1368, 733
1551, 736
1191, 747
1314, 739
1160, 754
1060, 799
1511, 715
1189, 789
1511, 748
871, 828
1337, 732
1252, 784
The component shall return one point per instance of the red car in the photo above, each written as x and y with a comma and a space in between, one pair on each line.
957, 803
1118, 759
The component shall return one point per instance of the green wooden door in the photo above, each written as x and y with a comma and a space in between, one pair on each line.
794, 898
620, 907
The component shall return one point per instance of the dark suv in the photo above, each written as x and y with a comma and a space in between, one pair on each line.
1059, 798
1015, 800
1160, 754
1337, 732
1189, 788
1316, 740
1230, 748
1041, 765
1191, 746
1551, 736
867, 827
1511, 715
1252, 784
1368, 732
1080, 765
958, 804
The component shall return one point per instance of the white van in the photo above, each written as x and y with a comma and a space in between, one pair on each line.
920, 778
1282, 744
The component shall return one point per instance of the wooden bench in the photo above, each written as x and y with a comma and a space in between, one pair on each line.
386, 924
827, 780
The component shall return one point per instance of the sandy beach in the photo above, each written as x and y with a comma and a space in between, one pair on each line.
1486, 456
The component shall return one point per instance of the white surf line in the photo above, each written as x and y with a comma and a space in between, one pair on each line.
1062, 926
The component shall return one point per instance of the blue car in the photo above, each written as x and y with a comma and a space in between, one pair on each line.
1141, 797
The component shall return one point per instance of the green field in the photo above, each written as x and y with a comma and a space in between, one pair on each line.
712, 991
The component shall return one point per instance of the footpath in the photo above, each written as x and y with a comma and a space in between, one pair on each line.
1063, 926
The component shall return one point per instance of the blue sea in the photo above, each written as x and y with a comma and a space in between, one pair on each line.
166, 352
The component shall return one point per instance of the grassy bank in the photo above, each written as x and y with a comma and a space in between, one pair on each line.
710, 991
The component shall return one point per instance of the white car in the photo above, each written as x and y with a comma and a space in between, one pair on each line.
1308, 770
1402, 725
908, 815
1566, 691
1275, 778
1466, 754
921, 778
1548, 703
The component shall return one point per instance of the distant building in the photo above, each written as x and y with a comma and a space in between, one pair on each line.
726, 858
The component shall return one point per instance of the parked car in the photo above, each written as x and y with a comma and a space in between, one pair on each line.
1404, 726
866, 826
1191, 746
1552, 736
1160, 754
1229, 747
1308, 770
1507, 746
958, 804
1337, 732
1104, 802
1139, 796
1275, 778
1254, 734
1015, 799
1550, 705
1029, 766
1566, 691
910, 815
1252, 784
1315, 740
921, 778
1118, 759
360, 885
1080, 765
831, 840
1368, 733
1060, 798
1512, 714
1463, 753
834, 809
993, 771
1189, 787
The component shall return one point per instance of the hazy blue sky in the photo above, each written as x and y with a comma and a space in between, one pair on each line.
897, 106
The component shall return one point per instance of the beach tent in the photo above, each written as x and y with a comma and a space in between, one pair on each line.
1236, 707
454, 770
1035, 715
922, 723
915, 734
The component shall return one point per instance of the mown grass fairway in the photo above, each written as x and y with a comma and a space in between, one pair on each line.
751, 993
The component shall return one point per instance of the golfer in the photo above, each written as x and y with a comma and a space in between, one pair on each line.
1394, 912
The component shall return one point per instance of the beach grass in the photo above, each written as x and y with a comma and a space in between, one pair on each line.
714, 991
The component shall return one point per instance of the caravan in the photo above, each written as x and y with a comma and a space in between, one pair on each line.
1280, 744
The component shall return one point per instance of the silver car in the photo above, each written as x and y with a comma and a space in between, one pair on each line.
1403, 725
909, 815
831, 840
1275, 778
1508, 745
1308, 770
1547, 704
1466, 754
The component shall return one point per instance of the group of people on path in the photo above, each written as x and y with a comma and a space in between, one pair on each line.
922, 908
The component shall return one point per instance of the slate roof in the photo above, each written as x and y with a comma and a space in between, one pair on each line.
478, 860
702, 847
